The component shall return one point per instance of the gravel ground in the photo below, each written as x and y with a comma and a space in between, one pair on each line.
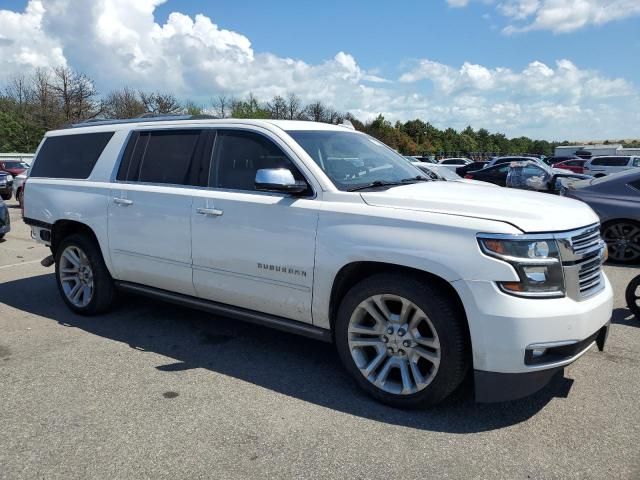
156, 391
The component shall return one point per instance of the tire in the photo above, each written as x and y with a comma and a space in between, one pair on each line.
92, 273
632, 296
20, 197
623, 240
6, 196
441, 333
599, 175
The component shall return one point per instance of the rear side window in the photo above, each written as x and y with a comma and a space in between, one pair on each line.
70, 156
611, 161
174, 157
636, 162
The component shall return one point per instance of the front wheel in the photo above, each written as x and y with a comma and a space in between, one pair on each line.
83, 279
6, 196
632, 295
402, 340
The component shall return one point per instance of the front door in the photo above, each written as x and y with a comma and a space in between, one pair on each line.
253, 249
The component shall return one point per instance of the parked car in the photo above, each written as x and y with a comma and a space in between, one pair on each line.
575, 165
552, 161
18, 186
462, 171
418, 158
324, 231
616, 200
632, 296
6, 186
601, 166
441, 172
14, 167
5, 220
535, 176
453, 163
511, 159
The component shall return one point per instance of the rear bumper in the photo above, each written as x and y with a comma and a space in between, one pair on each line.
502, 387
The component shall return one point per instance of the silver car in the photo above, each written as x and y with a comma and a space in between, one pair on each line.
616, 200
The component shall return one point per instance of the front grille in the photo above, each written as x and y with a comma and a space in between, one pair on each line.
582, 254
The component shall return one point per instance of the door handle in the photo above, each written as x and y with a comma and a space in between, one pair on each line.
122, 201
210, 212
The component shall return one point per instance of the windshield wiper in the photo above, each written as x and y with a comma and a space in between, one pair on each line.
376, 183
419, 178
385, 183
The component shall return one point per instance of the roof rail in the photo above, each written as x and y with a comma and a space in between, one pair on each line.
146, 118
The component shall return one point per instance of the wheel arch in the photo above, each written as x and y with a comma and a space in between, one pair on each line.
63, 228
354, 272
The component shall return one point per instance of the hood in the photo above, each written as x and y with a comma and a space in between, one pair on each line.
529, 211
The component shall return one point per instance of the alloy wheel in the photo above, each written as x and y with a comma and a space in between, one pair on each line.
394, 344
623, 240
76, 276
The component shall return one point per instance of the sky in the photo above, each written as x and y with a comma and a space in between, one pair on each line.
552, 69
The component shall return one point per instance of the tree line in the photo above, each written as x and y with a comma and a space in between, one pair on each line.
49, 99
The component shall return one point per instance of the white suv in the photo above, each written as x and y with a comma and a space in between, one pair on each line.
323, 231
601, 166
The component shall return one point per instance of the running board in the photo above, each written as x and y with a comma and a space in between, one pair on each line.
272, 321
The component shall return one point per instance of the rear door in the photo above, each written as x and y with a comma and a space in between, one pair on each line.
150, 208
253, 249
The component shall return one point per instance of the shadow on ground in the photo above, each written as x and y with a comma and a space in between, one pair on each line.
623, 316
285, 363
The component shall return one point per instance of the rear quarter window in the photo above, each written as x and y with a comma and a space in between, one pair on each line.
70, 156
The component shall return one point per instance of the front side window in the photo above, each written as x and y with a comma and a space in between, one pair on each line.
353, 160
240, 154
636, 162
611, 161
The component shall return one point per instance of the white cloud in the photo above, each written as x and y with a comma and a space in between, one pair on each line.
458, 3
120, 42
559, 16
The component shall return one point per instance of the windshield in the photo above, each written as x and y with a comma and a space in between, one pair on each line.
14, 164
352, 159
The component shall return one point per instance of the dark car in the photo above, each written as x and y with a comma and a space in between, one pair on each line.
14, 167
616, 200
531, 175
462, 171
6, 186
5, 222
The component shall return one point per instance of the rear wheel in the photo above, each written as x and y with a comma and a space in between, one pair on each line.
20, 196
623, 240
402, 340
83, 279
6, 196
633, 296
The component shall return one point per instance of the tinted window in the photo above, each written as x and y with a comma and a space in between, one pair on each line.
239, 155
174, 157
70, 156
611, 161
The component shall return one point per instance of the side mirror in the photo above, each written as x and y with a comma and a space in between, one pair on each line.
278, 180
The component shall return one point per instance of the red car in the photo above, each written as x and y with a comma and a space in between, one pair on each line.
575, 165
14, 167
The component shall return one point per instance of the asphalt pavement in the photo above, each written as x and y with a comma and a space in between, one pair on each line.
152, 390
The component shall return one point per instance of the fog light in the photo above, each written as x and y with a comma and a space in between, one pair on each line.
538, 352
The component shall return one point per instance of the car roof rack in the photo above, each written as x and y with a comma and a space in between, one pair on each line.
146, 118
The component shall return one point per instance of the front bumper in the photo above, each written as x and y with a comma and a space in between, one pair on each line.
505, 330
502, 387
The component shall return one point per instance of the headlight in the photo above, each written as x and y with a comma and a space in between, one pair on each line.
535, 260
